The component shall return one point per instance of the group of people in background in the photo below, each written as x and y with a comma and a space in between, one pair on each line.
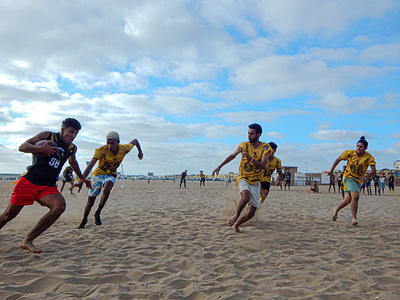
379, 183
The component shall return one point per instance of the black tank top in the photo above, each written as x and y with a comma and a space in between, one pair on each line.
45, 170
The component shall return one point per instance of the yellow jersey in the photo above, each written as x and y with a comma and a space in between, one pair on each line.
270, 169
247, 170
357, 166
108, 163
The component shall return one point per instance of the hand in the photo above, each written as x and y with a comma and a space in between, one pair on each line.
140, 155
78, 185
247, 156
330, 172
216, 171
278, 182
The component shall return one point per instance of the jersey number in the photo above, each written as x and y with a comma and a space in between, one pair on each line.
54, 163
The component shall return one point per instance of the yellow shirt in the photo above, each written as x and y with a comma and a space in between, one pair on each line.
357, 166
269, 170
202, 176
247, 170
108, 163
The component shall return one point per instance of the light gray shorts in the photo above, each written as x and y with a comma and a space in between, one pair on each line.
254, 190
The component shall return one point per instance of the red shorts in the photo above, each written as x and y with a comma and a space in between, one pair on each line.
26, 192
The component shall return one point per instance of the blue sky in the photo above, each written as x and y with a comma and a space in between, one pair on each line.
186, 78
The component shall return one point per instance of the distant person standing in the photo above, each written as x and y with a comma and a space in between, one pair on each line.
375, 178
382, 183
358, 162
287, 179
253, 162
109, 158
391, 181
332, 183
202, 180
183, 179
68, 177
368, 186
273, 164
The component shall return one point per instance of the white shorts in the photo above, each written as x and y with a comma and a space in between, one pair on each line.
98, 183
254, 190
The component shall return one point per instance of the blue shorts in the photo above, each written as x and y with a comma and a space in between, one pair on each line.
98, 182
351, 185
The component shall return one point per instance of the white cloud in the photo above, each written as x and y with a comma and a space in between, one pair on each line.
338, 135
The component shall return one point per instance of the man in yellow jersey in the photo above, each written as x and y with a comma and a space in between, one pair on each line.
254, 160
109, 157
357, 165
202, 180
273, 163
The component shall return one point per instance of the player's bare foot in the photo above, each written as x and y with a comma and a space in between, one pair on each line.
231, 221
236, 227
334, 217
354, 222
29, 246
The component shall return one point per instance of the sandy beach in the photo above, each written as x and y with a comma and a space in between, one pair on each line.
161, 242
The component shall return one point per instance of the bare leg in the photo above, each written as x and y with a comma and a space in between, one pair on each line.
88, 208
344, 203
264, 194
56, 204
9, 213
108, 186
62, 187
251, 210
71, 188
354, 207
245, 198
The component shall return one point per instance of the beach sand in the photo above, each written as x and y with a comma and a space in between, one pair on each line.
161, 242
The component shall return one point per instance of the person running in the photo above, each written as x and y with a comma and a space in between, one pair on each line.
273, 163
254, 160
287, 180
183, 179
358, 162
391, 181
39, 182
332, 183
314, 187
202, 180
109, 158
68, 177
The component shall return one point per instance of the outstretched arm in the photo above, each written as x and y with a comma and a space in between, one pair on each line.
75, 166
335, 163
227, 160
135, 142
85, 174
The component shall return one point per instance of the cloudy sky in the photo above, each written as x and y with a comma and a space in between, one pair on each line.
187, 77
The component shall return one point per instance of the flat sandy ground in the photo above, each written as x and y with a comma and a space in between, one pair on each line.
161, 242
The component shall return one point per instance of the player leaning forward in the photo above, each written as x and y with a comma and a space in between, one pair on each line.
39, 182
357, 164
109, 157
254, 160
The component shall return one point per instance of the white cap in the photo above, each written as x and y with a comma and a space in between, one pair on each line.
112, 135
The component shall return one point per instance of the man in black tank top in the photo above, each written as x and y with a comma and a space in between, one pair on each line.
39, 182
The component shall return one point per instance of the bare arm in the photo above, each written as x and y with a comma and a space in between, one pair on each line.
280, 177
369, 175
335, 163
85, 174
29, 145
75, 166
135, 142
227, 160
